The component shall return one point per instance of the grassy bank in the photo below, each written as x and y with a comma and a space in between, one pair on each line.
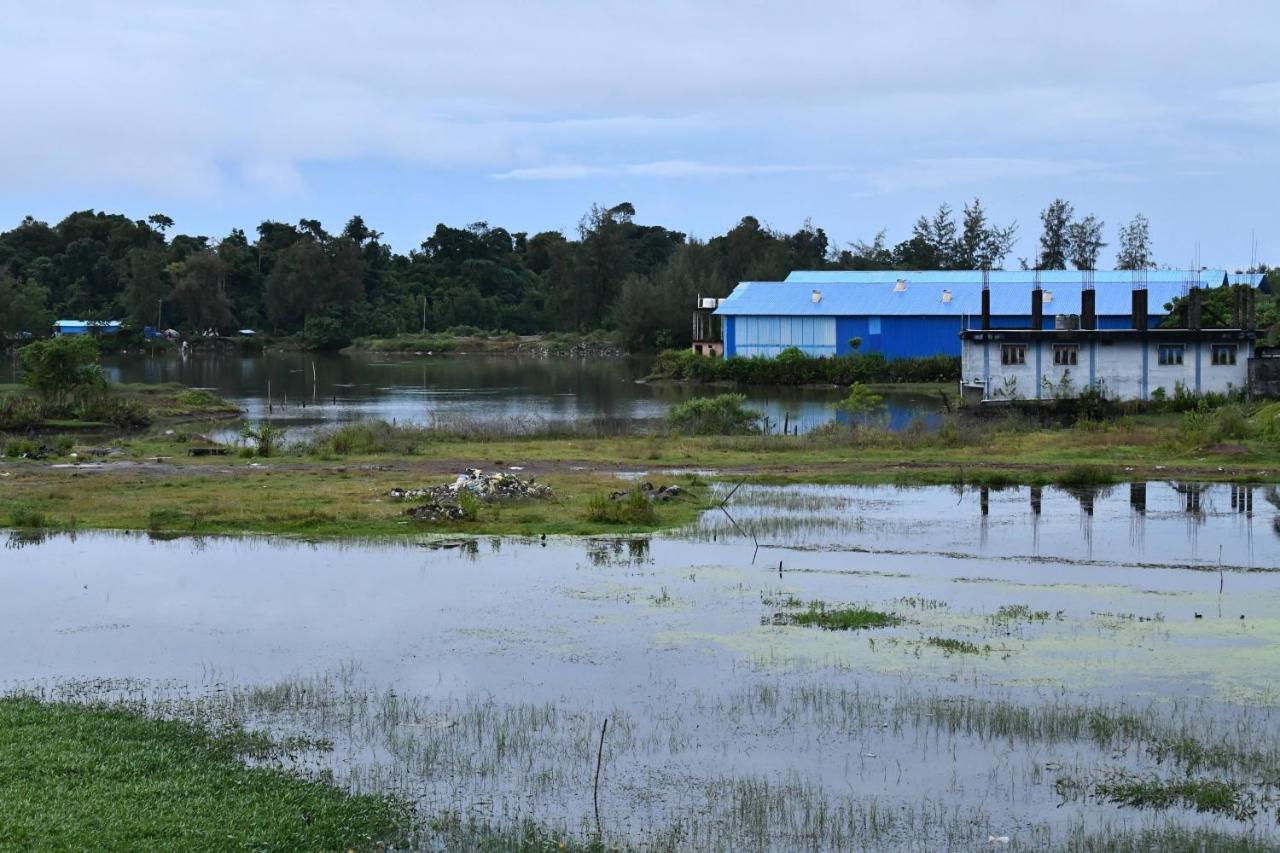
121, 406
338, 484
471, 341
82, 778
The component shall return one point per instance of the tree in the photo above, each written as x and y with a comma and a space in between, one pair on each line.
60, 368
1085, 241
932, 244
1135, 245
23, 307
980, 244
160, 222
1055, 239
200, 291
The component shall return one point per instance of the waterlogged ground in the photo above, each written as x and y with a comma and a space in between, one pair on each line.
1063, 663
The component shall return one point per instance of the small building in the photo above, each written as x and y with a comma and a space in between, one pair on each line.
905, 314
85, 327
708, 330
1134, 363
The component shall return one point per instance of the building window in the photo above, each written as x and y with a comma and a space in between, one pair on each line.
1224, 354
873, 325
1013, 354
1066, 355
1170, 354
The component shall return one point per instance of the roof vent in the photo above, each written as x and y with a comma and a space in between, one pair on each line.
1048, 296
946, 297
816, 297
900, 286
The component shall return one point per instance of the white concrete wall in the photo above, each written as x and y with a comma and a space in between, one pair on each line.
1116, 366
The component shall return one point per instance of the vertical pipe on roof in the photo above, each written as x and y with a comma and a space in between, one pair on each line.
986, 299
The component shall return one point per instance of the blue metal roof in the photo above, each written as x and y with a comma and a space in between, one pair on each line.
1253, 279
1206, 278
925, 298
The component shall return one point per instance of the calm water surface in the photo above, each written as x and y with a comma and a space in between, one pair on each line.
473, 674
307, 390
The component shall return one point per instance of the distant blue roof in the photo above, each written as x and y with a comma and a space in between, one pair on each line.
84, 324
1206, 278
1253, 279
925, 298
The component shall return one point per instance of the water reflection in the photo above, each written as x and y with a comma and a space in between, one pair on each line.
1160, 522
305, 390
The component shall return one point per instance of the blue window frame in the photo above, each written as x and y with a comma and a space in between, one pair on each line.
873, 325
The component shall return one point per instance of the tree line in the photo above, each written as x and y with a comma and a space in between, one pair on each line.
613, 273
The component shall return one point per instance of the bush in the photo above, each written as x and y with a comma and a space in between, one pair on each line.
635, 509
24, 515
267, 438
724, 414
325, 332
60, 368
793, 367
19, 412
17, 448
123, 412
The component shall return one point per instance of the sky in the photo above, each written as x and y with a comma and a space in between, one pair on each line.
856, 115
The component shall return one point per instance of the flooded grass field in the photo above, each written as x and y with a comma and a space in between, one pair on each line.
1017, 669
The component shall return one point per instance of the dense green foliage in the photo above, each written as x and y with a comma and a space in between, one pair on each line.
725, 414
61, 368
76, 778
639, 281
1216, 313
793, 367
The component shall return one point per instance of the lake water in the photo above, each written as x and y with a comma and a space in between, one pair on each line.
308, 390
473, 675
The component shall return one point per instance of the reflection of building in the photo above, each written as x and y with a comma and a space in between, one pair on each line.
1134, 363
921, 313
708, 329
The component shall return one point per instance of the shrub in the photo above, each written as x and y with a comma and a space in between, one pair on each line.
267, 438
724, 414
63, 367
25, 515
16, 448
19, 412
861, 402
635, 509
325, 332
123, 412
793, 367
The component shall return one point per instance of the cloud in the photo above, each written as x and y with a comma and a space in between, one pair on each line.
657, 169
952, 171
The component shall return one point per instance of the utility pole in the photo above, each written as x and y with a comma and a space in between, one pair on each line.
159, 314
424, 315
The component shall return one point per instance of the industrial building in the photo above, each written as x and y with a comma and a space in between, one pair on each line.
921, 313
1132, 363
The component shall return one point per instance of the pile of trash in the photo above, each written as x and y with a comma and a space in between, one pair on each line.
661, 494
441, 503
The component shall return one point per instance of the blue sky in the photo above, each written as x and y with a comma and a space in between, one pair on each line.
857, 115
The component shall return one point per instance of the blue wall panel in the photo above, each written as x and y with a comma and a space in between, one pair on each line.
914, 336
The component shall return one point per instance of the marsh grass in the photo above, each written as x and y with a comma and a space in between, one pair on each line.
635, 509
820, 615
534, 758
24, 515
1203, 795
956, 647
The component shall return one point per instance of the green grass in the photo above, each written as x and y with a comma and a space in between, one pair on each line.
956, 647
634, 510
819, 615
81, 778
1210, 796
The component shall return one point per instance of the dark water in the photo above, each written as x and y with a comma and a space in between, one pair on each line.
308, 389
